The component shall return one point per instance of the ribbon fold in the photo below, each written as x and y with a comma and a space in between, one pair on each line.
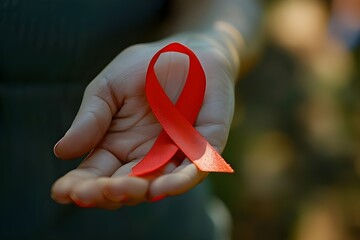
179, 138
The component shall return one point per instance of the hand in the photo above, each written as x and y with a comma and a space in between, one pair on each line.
115, 124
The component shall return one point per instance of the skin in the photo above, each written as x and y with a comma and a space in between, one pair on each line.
115, 123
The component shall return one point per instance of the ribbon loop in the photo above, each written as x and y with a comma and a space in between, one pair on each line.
177, 120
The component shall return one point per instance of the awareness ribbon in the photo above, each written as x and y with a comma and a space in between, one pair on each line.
178, 137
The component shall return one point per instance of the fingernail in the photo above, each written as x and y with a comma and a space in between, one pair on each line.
115, 198
60, 200
83, 205
54, 149
157, 198
80, 203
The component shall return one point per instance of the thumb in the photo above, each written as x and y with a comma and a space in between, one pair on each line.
92, 121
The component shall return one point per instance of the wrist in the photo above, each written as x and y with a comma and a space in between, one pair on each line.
222, 39
230, 41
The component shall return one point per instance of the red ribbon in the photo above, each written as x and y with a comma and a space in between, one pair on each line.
178, 137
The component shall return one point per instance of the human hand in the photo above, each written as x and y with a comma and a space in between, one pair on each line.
116, 124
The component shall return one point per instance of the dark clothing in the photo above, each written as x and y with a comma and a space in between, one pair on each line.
49, 51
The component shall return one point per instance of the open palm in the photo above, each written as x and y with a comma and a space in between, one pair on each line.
116, 125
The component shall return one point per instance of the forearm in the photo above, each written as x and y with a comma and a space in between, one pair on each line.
234, 24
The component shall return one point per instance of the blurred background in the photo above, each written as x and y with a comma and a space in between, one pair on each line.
295, 139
